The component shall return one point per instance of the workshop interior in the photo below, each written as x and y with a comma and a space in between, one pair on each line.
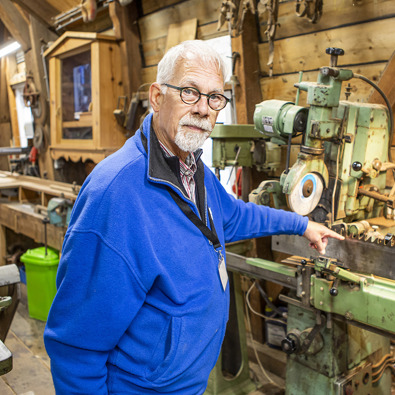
309, 129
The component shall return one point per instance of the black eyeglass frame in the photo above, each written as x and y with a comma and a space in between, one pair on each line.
181, 89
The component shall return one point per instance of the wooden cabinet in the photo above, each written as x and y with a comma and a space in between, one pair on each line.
85, 78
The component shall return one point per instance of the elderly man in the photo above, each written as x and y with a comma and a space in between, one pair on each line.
143, 296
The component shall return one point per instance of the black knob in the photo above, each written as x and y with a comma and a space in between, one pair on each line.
303, 262
334, 52
357, 166
288, 345
333, 291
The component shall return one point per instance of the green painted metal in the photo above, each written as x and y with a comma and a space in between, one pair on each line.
222, 131
241, 383
371, 301
243, 145
269, 193
232, 145
345, 348
275, 267
276, 118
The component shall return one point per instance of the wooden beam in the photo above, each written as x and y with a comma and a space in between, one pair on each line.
44, 12
11, 69
387, 85
363, 43
335, 14
248, 92
178, 32
282, 87
124, 20
15, 23
40, 35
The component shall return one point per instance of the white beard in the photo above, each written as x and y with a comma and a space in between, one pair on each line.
189, 141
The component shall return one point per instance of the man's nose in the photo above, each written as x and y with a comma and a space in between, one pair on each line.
201, 107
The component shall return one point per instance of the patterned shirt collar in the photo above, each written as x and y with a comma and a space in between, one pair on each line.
187, 168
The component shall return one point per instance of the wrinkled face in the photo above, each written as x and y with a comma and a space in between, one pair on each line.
183, 127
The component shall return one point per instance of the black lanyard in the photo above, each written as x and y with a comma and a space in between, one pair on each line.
211, 234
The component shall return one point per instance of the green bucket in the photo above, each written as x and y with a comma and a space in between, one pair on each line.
41, 269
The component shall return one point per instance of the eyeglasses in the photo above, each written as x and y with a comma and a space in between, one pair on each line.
190, 95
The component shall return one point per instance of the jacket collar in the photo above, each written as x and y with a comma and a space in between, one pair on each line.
166, 170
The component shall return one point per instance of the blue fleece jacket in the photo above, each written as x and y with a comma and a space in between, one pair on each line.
140, 308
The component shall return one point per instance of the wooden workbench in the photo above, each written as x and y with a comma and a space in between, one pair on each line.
23, 200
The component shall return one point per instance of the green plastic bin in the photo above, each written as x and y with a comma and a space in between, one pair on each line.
40, 280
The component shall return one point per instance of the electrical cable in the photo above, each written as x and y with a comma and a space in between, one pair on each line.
378, 364
391, 120
268, 301
256, 312
388, 364
252, 342
387, 361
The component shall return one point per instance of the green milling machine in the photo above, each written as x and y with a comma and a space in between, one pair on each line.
341, 306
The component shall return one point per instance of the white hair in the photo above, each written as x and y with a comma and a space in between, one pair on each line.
188, 50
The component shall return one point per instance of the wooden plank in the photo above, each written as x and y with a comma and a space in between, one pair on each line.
34, 65
148, 75
156, 25
15, 23
178, 32
282, 87
106, 89
10, 71
364, 43
209, 30
64, 5
38, 381
18, 218
335, 13
44, 13
126, 19
153, 51
150, 6
5, 138
387, 85
247, 71
4, 106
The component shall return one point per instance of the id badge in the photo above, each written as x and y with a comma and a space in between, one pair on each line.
223, 274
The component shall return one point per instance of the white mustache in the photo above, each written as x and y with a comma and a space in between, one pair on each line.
188, 120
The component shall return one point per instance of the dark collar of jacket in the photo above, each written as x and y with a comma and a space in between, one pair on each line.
166, 170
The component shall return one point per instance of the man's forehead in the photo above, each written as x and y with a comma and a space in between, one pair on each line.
195, 72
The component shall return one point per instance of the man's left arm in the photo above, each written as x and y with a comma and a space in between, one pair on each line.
248, 220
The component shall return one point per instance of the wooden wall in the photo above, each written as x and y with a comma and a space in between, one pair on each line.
364, 29
155, 22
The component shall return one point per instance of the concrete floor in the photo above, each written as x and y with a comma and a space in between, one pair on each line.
31, 367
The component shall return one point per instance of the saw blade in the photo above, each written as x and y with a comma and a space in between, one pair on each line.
306, 194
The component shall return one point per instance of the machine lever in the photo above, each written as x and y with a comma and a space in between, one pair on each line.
334, 291
310, 337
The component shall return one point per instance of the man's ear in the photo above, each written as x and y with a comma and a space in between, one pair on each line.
155, 96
